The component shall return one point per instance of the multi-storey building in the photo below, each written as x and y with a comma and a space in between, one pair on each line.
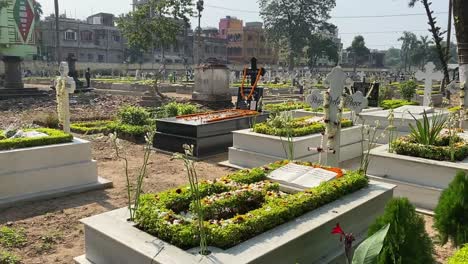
211, 46
94, 40
246, 42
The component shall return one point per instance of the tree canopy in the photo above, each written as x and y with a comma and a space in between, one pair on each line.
155, 23
321, 46
294, 21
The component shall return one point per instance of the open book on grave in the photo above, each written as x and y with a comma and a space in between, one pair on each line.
301, 177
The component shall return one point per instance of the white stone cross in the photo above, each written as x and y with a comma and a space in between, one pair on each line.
428, 76
65, 85
336, 82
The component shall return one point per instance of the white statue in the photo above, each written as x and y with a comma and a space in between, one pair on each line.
65, 85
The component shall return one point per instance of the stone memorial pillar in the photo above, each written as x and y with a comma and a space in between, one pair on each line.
212, 83
13, 74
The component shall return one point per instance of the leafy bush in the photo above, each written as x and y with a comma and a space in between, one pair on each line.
408, 90
9, 258
393, 104
158, 216
49, 120
55, 137
451, 214
133, 115
12, 238
460, 257
174, 109
407, 241
130, 132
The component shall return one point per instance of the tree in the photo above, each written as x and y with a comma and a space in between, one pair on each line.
460, 14
393, 58
359, 50
321, 46
437, 35
156, 23
38, 11
408, 47
419, 57
294, 20
3, 4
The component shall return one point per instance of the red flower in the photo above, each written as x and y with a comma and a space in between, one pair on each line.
338, 231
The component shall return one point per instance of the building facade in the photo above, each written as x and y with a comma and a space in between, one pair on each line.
94, 40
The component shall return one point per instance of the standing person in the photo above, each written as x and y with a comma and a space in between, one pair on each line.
88, 78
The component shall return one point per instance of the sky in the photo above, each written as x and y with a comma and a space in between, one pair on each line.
379, 32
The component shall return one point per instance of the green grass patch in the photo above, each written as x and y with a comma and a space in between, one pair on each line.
440, 151
160, 214
54, 137
286, 106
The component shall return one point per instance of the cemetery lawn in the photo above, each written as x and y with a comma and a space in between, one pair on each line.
51, 229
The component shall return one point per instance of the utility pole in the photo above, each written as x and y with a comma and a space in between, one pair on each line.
449, 30
57, 33
200, 10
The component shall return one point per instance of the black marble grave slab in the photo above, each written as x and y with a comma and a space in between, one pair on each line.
207, 138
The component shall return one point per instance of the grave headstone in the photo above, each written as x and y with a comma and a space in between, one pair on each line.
248, 97
362, 76
428, 76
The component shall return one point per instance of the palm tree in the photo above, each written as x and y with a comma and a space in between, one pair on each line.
422, 52
38, 11
460, 13
408, 47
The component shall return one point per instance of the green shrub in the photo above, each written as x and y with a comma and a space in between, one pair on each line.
55, 137
451, 214
426, 132
12, 238
49, 120
294, 127
9, 258
131, 132
133, 115
407, 241
393, 104
408, 90
156, 211
286, 106
439, 151
174, 109
460, 257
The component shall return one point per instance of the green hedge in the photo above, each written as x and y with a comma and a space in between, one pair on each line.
158, 214
286, 106
441, 151
93, 127
130, 132
460, 257
392, 104
298, 128
55, 137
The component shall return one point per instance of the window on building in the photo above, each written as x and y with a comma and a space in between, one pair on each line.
100, 58
86, 36
249, 37
116, 37
90, 57
207, 49
215, 50
70, 35
176, 47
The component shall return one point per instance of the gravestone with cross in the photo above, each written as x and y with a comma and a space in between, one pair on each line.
249, 95
428, 76
333, 107
362, 76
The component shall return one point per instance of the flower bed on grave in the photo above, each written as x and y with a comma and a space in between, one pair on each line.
52, 137
441, 150
297, 127
237, 207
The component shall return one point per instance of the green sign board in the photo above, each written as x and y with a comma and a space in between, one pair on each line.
17, 23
